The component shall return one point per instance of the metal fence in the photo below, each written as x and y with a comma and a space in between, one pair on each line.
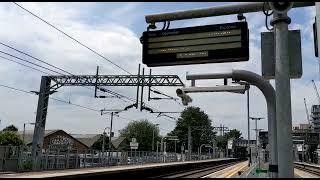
18, 159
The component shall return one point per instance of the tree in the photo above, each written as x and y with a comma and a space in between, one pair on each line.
192, 116
234, 133
223, 140
142, 130
10, 138
98, 144
10, 128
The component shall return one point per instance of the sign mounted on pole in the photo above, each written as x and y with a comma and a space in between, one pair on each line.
196, 45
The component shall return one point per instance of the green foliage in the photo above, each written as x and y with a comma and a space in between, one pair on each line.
223, 140
10, 138
192, 116
98, 144
10, 128
27, 165
142, 130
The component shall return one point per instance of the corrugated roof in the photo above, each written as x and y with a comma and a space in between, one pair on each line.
87, 139
28, 135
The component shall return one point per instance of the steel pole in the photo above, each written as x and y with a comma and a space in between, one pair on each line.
269, 94
248, 117
318, 30
189, 143
24, 130
110, 131
153, 140
283, 95
216, 11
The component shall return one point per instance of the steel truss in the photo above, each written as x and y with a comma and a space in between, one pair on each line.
46, 89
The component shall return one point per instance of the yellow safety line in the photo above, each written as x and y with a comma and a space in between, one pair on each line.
237, 169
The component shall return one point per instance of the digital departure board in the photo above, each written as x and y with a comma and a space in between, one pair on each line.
196, 45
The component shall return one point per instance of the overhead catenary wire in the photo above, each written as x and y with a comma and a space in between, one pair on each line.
69, 36
24, 65
95, 52
56, 99
104, 90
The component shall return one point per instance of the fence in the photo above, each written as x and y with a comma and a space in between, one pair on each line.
19, 159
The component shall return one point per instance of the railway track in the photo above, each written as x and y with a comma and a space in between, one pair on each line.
308, 168
198, 172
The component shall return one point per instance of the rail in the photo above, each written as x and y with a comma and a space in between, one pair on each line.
310, 168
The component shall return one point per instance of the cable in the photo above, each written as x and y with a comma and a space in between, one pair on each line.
71, 38
24, 65
34, 58
105, 90
164, 25
168, 25
95, 52
266, 14
75, 40
136, 120
56, 99
30, 62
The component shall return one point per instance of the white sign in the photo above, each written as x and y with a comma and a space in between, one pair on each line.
133, 140
299, 147
134, 145
230, 141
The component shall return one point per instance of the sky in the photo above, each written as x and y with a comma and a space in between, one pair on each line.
113, 29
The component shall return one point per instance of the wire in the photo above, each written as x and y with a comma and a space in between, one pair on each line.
72, 38
168, 25
266, 14
75, 40
95, 52
30, 62
136, 120
24, 65
56, 99
104, 90
34, 58
164, 25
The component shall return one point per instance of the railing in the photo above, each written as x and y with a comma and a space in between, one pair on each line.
18, 159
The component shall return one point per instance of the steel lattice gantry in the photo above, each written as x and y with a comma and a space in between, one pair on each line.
51, 83
116, 80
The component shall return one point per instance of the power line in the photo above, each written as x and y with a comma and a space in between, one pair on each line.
35, 58
30, 62
104, 90
136, 120
23, 65
71, 37
95, 52
56, 99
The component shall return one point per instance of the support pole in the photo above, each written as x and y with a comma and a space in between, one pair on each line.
149, 89
95, 86
248, 117
110, 132
283, 95
40, 123
269, 94
189, 143
138, 84
142, 86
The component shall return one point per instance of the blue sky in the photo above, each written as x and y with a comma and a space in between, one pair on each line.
114, 29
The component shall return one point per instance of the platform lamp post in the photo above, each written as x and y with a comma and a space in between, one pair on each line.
156, 125
24, 129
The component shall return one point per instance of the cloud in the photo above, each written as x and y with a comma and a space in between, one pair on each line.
111, 33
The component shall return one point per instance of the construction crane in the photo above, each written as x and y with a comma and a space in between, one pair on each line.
316, 90
305, 105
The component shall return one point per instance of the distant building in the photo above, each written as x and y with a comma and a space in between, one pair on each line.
59, 139
55, 139
315, 115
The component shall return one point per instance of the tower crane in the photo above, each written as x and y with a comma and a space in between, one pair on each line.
316, 90
305, 105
